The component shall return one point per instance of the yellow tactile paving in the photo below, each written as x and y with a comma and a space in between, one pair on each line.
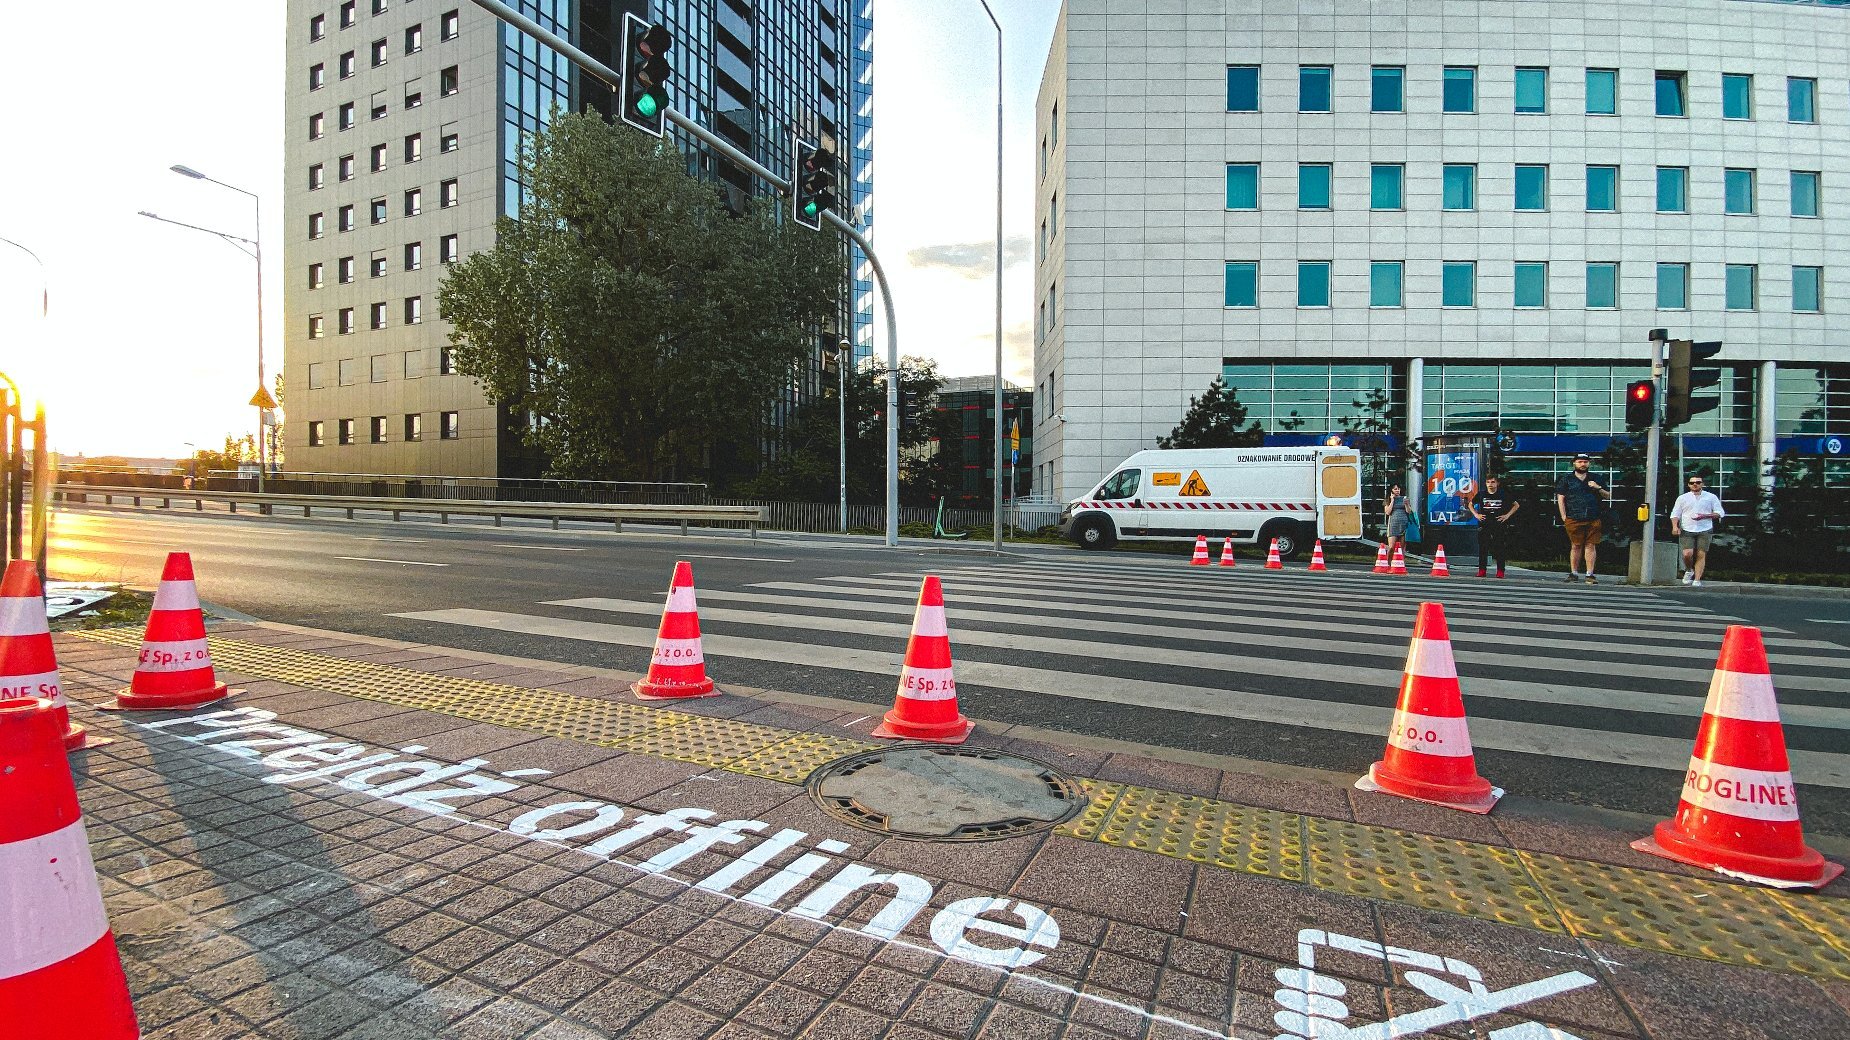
1690, 917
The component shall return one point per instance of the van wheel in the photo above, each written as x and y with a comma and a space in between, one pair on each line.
1095, 532
1290, 541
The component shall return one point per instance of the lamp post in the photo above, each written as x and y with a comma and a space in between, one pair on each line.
997, 515
12, 435
263, 440
842, 354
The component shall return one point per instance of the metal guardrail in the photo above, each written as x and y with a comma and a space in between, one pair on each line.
443, 509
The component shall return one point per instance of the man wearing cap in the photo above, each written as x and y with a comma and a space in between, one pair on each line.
1692, 520
1578, 497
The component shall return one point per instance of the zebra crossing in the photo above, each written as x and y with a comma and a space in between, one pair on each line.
1601, 675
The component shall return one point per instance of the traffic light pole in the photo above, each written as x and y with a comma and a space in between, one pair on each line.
719, 144
1654, 446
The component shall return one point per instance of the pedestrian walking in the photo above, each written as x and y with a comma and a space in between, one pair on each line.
1692, 520
1579, 497
1398, 513
1493, 509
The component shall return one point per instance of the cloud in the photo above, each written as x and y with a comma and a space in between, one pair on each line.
970, 259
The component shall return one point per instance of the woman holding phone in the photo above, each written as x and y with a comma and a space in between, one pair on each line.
1397, 510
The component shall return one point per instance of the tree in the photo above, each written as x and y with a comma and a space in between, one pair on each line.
648, 329
806, 463
1216, 419
237, 451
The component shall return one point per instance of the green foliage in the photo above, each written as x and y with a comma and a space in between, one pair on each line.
648, 329
806, 464
1216, 419
237, 451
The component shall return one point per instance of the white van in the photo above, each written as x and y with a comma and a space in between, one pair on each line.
1253, 494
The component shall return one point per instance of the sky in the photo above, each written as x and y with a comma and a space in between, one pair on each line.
150, 340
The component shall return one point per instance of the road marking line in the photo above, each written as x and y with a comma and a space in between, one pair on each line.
1828, 621
374, 559
753, 559
552, 548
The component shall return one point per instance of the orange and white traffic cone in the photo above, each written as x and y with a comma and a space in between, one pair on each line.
1316, 557
28, 662
60, 974
1226, 552
1400, 560
1429, 756
677, 669
1272, 562
1200, 559
926, 705
175, 669
1440, 569
1381, 559
1739, 813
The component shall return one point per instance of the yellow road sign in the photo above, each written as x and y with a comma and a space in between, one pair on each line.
262, 399
1195, 487
1165, 480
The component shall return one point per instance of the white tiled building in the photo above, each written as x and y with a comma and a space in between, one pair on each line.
1478, 207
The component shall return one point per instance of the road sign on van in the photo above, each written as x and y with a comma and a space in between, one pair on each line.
1195, 487
1165, 480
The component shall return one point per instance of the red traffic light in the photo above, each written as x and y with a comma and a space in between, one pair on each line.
1641, 391
1640, 405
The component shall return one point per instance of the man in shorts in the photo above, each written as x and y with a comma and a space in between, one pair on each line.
1692, 520
1578, 498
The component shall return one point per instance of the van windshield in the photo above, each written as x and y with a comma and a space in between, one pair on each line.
1123, 484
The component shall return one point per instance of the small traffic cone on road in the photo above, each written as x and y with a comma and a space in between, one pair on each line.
1739, 813
175, 669
1381, 559
1316, 557
1272, 562
1440, 569
1200, 559
60, 974
926, 705
1226, 552
1429, 756
28, 661
677, 668
1400, 560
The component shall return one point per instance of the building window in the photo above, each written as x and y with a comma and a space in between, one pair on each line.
314, 331
1313, 283
378, 53
1737, 96
378, 6
414, 427
1602, 189
344, 269
1242, 88
449, 428
317, 76
414, 39
1531, 91
378, 158
1804, 193
446, 249
317, 375
345, 327
317, 126
1743, 285
378, 263
317, 27
1672, 94
347, 65
314, 276
1460, 89
1673, 189
378, 211
314, 177
1242, 186
379, 108
349, 371
448, 142
414, 147
1242, 284
1672, 287
414, 255
1387, 186
1602, 92
376, 367
1738, 191
1801, 100
1531, 289
349, 14
315, 228
345, 119
1532, 187
446, 362
1387, 89
1458, 284
315, 433
448, 82
414, 364
452, 23
345, 165
1459, 186
1808, 289
413, 98
378, 322
414, 310
1313, 185
414, 202
377, 430
446, 194
1384, 282
346, 431
1314, 88
1602, 286
346, 217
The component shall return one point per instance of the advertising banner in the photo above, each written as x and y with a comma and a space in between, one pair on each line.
1451, 484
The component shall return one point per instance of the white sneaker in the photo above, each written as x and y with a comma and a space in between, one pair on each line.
1688, 577
1697, 583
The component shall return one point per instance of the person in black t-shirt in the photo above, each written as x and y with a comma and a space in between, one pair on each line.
1493, 509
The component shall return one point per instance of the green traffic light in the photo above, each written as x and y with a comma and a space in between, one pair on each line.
646, 105
809, 209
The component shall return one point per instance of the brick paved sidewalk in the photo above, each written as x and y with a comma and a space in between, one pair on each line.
489, 890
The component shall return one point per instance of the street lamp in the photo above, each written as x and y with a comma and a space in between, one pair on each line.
997, 515
841, 401
13, 414
263, 440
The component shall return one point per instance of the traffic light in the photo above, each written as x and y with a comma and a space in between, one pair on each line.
1684, 378
1640, 405
909, 413
645, 74
812, 184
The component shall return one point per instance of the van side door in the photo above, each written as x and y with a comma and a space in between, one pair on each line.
1339, 495
1122, 498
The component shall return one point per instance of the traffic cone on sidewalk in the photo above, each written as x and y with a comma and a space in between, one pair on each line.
60, 974
28, 662
1739, 813
1200, 559
1381, 559
1429, 756
1316, 557
1440, 569
1400, 560
1272, 562
926, 705
175, 669
1226, 552
677, 669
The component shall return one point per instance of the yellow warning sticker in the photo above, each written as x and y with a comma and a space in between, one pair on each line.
1195, 487
1165, 479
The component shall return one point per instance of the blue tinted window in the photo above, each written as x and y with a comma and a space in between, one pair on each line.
1242, 185
1672, 287
1602, 285
1531, 90
1670, 94
1602, 92
1672, 189
1458, 284
1387, 89
1313, 283
1531, 285
1385, 186
1802, 100
1532, 187
1807, 289
1460, 187
1602, 189
1742, 286
1313, 186
1314, 88
1242, 285
1737, 96
1460, 90
1804, 194
1384, 278
1242, 88
1738, 191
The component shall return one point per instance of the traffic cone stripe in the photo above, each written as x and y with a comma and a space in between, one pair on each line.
23, 616
180, 655
177, 595
677, 652
44, 684
929, 621
1431, 735
1746, 698
681, 600
58, 919
1756, 794
927, 684
1431, 659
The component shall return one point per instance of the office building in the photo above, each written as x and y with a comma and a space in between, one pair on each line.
968, 403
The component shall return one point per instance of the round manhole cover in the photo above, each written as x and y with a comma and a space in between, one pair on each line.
937, 793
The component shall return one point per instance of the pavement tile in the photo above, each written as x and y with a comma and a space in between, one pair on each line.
674, 1021
1198, 998
843, 1022
386, 1027
1298, 796
1263, 916
505, 1018
510, 966
883, 990
205, 1025
1161, 774
722, 990
1680, 997
1112, 883
564, 984
1123, 975
991, 865
1255, 1001
444, 1002
617, 1006
946, 1009
1580, 832
1406, 814
1112, 1015
628, 779
463, 949
728, 795
782, 1010
666, 968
